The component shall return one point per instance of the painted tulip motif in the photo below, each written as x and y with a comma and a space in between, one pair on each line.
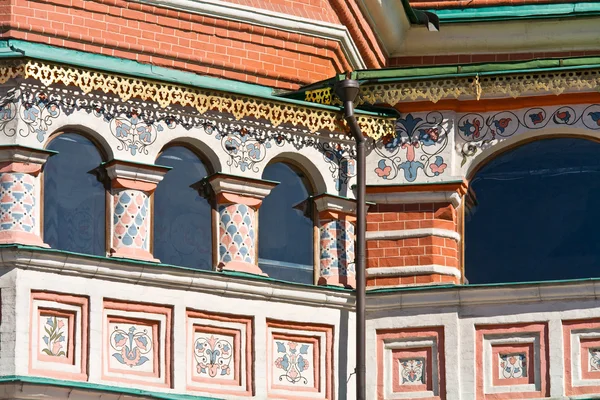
293, 360
131, 346
412, 372
54, 337
213, 356
513, 366
594, 356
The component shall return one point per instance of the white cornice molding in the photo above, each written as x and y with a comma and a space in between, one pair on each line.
415, 197
269, 19
151, 174
389, 21
413, 270
412, 233
174, 278
521, 36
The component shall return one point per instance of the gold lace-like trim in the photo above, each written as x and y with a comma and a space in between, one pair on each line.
277, 113
474, 87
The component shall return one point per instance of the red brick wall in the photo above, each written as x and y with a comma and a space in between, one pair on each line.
412, 251
320, 10
175, 39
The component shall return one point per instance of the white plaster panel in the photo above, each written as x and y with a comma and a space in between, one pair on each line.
97, 290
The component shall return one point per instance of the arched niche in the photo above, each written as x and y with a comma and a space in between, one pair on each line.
286, 234
74, 211
182, 219
531, 213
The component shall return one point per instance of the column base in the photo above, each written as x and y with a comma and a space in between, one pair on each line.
23, 238
241, 266
135, 254
337, 280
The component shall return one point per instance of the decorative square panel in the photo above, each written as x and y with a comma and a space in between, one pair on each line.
299, 360
514, 361
137, 343
582, 356
219, 349
513, 364
410, 364
58, 335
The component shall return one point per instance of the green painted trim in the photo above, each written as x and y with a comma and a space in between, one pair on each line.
480, 285
483, 69
150, 265
123, 66
528, 11
100, 388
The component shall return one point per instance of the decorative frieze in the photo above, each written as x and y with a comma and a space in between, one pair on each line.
582, 356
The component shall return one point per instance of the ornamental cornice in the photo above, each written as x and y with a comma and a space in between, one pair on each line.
467, 88
239, 106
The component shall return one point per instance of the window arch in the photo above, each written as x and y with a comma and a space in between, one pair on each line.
534, 215
74, 199
182, 219
285, 234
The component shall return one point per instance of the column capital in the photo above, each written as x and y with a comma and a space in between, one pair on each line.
235, 189
136, 176
28, 160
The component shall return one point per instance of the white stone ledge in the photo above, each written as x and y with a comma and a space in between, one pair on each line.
413, 270
269, 19
412, 233
166, 277
415, 197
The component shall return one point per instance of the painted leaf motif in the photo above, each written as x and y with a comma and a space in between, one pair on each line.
281, 347
142, 342
304, 349
119, 358
143, 360
46, 351
285, 363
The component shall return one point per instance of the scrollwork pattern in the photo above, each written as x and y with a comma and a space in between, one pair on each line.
416, 145
478, 131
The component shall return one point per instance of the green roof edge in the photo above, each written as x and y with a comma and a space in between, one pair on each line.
101, 388
12, 48
516, 12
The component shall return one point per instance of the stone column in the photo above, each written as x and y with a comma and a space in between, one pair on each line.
414, 234
130, 187
237, 201
337, 238
20, 195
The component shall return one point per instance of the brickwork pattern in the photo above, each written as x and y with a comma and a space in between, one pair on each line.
412, 251
175, 39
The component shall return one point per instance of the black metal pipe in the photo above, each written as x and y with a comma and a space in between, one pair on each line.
347, 90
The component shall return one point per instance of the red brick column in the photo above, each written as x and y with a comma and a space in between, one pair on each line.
414, 235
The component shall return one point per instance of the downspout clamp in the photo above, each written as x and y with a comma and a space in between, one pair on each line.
347, 90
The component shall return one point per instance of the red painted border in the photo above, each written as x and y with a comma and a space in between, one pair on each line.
425, 353
541, 329
436, 333
79, 301
118, 305
248, 322
328, 330
526, 348
568, 327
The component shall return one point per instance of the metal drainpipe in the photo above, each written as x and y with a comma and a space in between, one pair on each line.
347, 90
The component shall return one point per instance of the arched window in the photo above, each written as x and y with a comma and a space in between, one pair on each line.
536, 214
182, 219
285, 234
74, 199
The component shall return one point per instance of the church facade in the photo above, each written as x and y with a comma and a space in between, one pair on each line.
178, 214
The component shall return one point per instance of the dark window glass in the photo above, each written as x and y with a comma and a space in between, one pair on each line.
285, 234
536, 214
182, 219
74, 200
